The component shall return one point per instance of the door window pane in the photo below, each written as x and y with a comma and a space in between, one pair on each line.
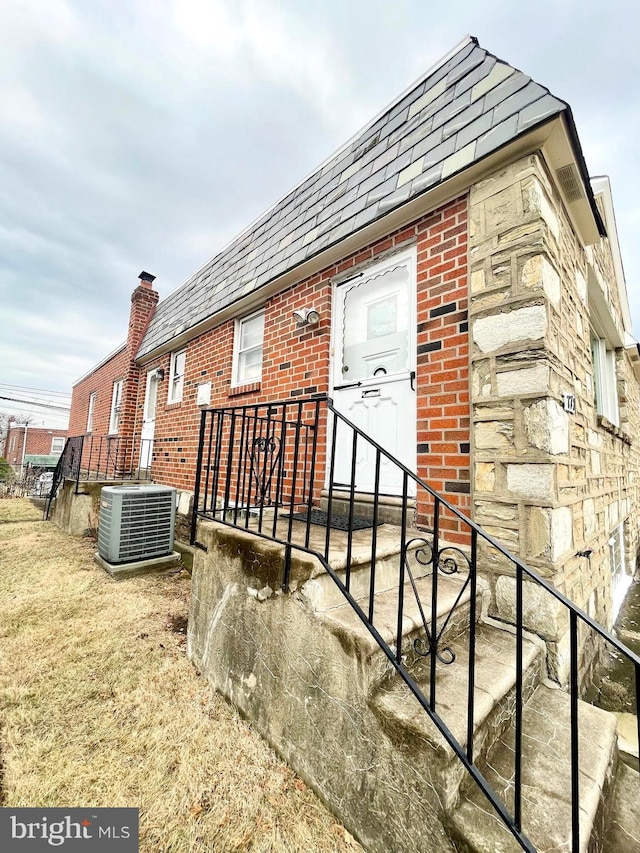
375, 333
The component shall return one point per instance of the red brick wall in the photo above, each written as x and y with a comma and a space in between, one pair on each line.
296, 362
101, 382
38, 442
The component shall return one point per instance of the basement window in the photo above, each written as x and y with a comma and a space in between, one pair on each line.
247, 349
116, 402
176, 376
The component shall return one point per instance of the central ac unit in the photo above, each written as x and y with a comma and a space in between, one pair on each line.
136, 522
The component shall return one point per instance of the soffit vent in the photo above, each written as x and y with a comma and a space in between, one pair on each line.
570, 183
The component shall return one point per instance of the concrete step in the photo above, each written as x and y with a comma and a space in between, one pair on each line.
494, 701
546, 780
344, 622
323, 593
622, 830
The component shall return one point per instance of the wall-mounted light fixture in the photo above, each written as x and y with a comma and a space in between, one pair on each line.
306, 317
160, 373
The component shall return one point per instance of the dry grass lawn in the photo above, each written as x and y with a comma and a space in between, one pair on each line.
99, 706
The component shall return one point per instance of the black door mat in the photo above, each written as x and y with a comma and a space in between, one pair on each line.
338, 520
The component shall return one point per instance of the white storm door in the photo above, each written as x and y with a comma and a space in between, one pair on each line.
149, 420
374, 372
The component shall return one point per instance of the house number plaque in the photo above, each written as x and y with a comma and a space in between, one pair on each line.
569, 403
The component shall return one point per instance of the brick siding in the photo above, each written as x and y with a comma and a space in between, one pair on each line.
39, 441
296, 362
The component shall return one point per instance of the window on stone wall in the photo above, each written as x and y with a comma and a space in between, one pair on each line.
116, 402
176, 376
57, 444
92, 406
605, 379
247, 349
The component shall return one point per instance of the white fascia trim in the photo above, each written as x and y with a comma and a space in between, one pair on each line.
601, 186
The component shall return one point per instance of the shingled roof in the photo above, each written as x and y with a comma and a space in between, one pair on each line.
469, 106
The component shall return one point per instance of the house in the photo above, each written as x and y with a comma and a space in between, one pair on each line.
27, 445
470, 196
451, 279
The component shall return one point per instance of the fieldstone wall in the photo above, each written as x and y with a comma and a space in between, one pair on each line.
546, 483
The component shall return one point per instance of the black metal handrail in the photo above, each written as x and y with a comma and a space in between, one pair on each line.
101, 457
298, 441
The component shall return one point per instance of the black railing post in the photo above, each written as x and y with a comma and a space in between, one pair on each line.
332, 469
196, 487
374, 536
208, 465
517, 784
575, 753
403, 558
314, 450
280, 474
352, 500
472, 645
79, 464
434, 603
241, 467
637, 669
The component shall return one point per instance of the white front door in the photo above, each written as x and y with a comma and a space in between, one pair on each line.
149, 420
374, 372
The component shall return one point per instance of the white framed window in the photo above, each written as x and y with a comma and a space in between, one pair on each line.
247, 349
116, 402
176, 376
605, 379
90, 411
57, 444
12, 444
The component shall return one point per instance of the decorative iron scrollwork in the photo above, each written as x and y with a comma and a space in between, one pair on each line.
449, 561
264, 455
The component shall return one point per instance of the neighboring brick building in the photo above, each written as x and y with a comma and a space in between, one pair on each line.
46, 444
460, 231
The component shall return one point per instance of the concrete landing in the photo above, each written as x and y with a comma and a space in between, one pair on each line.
546, 779
139, 567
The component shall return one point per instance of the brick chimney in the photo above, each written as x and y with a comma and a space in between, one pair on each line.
143, 305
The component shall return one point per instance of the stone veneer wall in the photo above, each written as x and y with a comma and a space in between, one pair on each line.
546, 483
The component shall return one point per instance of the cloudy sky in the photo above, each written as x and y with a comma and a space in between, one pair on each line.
145, 134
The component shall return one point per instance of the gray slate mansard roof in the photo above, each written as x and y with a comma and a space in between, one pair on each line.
466, 108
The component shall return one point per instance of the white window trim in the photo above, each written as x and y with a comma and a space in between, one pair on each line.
90, 411
176, 390
605, 381
12, 443
57, 438
116, 403
236, 380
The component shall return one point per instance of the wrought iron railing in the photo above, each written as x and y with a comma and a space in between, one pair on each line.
260, 465
110, 457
